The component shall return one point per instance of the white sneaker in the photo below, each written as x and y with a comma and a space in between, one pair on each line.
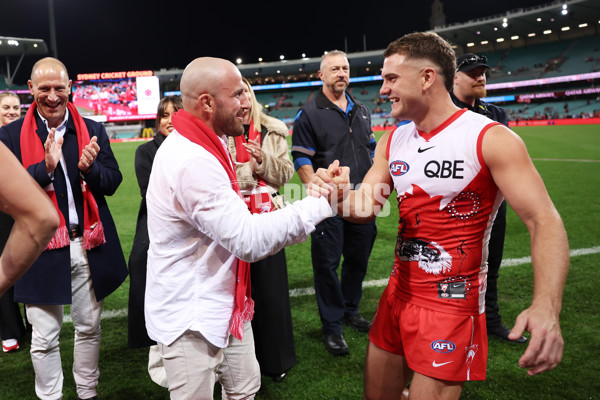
10, 345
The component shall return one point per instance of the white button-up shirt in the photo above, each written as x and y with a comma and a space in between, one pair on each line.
198, 225
60, 132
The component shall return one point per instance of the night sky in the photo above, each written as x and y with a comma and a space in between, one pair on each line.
124, 35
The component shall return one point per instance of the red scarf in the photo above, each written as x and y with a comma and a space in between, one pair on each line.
198, 132
32, 152
258, 199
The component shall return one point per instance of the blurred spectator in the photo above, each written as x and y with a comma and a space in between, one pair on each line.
263, 166
469, 89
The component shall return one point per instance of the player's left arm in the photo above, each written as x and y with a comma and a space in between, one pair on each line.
515, 175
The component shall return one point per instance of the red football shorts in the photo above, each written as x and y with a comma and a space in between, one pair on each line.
435, 344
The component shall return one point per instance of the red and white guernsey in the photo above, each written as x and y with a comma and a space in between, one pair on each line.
447, 201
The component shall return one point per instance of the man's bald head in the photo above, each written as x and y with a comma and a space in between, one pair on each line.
212, 90
203, 75
48, 64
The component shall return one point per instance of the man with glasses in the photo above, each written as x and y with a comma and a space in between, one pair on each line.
469, 89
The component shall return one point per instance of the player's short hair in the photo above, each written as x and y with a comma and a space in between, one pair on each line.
430, 46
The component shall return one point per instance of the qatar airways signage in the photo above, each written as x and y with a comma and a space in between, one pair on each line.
544, 95
575, 92
543, 81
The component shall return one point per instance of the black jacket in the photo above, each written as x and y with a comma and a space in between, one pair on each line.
136, 325
481, 107
323, 134
48, 281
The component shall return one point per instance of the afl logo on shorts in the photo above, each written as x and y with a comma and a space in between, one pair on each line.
399, 168
443, 346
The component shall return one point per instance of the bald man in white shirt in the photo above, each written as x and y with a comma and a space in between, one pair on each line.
202, 236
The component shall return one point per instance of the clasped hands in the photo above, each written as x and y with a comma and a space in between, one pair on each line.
333, 183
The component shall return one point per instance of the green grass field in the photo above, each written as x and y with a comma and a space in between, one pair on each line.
567, 157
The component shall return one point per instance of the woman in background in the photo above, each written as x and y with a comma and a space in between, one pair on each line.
144, 157
263, 166
10, 108
12, 328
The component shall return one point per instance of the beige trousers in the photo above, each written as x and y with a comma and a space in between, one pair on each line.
193, 365
46, 321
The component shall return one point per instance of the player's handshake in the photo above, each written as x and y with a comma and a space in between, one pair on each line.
333, 183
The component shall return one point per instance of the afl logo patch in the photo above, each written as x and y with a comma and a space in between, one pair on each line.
399, 168
443, 346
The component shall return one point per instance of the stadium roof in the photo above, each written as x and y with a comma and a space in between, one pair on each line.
559, 19
13, 46
293, 67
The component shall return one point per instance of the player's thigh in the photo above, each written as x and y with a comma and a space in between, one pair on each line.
385, 375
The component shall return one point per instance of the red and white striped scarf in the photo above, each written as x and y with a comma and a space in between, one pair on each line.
258, 198
32, 152
198, 132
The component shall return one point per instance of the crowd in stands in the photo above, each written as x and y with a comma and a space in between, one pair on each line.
122, 92
285, 106
588, 108
548, 59
280, 78
102, 95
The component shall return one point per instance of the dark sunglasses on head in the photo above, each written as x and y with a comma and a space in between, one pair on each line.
472, 60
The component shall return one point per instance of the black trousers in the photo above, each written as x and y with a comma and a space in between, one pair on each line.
137, 335
11, 321
272, 322
332, 239
496, 247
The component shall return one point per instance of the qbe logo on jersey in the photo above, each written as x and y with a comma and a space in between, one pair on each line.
443, 346
399, 168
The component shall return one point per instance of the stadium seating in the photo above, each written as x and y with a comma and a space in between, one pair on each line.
582, 56
558, 58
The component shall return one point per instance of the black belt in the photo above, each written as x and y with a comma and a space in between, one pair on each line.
74, 231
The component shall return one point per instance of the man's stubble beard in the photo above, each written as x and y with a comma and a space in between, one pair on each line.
229, 125
335, 88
